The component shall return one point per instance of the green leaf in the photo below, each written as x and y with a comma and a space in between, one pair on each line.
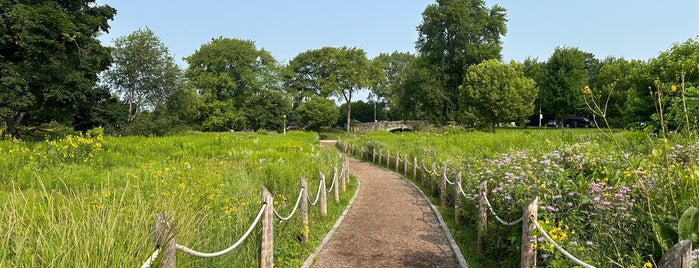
688, 226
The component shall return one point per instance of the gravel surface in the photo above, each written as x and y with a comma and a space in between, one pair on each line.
390, 224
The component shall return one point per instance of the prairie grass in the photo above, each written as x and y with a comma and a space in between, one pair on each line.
97, 208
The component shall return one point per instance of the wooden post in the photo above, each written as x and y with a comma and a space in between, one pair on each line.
304, 210
373, 155
678, 256
482, 214
415, 168
323, 195
405, 165
397, 162
380, 155
433, 186
443, 187
388, 159
336, 190
165, 240
346, 149
267, 251
345, 174
457, 197
528, 239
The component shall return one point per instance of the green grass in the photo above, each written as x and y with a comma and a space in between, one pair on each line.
96, 208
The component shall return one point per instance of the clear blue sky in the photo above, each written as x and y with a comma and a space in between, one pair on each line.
631, 29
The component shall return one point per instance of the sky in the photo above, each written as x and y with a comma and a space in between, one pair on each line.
637, 29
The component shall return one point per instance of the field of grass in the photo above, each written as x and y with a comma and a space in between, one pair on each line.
90, 201
612, 199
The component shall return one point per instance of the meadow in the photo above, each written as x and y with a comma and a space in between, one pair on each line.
90, 201
611, 198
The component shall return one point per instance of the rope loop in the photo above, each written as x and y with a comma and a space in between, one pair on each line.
232, 247
293, 211
503, 222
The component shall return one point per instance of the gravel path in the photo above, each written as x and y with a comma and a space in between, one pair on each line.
390, 224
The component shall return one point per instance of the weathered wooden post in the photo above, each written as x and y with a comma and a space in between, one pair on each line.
373, 155
457, 197
678, 256
304, 210
346, 149
336, 182
482, 213
528, 239
323, 195
397, 162
443, 187
405, 165
415, 168
388, 159
345, 174
380, 155
165, 240
267, 251
433, 186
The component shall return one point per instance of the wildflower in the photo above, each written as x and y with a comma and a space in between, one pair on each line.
542, 186
106, 193
589, 243
673, 88
587, 90
648, 264
181, 185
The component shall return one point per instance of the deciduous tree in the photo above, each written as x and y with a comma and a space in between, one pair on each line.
318, 113
49, 59
143, 74
456, 34
497, 93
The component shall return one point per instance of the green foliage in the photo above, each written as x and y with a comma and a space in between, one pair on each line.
454, 35
688, 226
567, 72
392, 65
317, 113
56, 193
497, 93
418, 95
143, 74
238, 84
50, 59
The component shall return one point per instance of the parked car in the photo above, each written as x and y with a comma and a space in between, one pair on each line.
293, 128
553, 123
578, 122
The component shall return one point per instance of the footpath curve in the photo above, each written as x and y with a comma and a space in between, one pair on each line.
390, 224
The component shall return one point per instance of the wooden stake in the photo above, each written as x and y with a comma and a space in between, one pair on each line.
528, 239
267, 247
482, 214
165, 240
304, 210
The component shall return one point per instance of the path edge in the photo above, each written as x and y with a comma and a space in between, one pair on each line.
454, 247
309, 261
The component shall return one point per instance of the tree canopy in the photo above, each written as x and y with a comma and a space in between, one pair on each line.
497, 93
49, 59
454, 35
143, 73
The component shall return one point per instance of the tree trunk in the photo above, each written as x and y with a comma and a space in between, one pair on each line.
494, 127
349, 111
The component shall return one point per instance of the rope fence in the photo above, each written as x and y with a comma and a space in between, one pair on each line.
166, 246
678, 255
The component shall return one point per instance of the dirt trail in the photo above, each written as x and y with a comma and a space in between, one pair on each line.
390, 224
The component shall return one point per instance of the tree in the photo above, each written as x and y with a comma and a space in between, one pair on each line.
143, 74
336, 72
392, 65
318, 113
306, 73
417, 93
456, 34
228, 73
567, 72
497, 93
49, 59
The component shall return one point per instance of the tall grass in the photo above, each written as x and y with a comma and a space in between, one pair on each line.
97, 209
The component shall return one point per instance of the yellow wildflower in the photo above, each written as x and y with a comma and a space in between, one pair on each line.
648, 264
673, 88
587, 90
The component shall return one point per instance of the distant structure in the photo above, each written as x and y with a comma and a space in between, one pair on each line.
392, 126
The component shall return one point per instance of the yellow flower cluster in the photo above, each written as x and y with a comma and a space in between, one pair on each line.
587, 90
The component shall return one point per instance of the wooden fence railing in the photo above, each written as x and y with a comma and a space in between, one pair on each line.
679, 256
165, 235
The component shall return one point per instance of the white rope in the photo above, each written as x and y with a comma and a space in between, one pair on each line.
559, 248
232, 247
485, 197
317, 195
447, 179
151, 259
332, 184
460, 188
298, 201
